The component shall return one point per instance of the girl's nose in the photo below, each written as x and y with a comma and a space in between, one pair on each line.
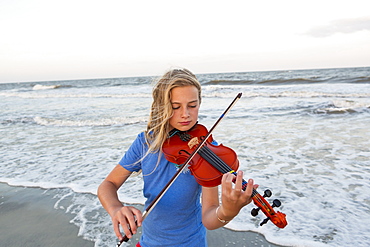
185, 112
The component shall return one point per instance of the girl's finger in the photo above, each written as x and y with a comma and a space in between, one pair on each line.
239, 182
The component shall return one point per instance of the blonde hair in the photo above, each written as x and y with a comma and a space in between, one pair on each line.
161, 111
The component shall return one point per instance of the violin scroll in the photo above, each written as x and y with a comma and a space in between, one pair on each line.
278, 218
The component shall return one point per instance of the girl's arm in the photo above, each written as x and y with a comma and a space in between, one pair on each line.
121, 215
215, 215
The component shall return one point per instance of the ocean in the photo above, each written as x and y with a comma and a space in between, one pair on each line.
303, 134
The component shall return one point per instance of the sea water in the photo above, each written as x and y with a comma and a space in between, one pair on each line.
303, 134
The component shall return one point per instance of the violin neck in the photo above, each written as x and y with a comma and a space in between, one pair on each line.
244, 185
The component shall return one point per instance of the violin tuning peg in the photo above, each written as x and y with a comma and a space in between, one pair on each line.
276, 203
264, 221
267, 193
254, 212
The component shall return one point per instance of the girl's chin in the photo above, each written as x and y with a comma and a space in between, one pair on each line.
184, 127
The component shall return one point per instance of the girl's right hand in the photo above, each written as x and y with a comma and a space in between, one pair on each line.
129, 218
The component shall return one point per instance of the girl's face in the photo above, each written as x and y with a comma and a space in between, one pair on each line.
185, 105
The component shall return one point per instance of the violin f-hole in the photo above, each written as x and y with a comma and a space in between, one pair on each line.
182, 150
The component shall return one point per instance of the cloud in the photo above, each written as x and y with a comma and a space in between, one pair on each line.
341, 26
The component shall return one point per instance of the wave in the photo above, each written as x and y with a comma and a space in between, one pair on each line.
290, 81
75, 123
343, 107
264, 82
28, 95
23, 120
223, 93
362, 79
83, 123
305, 108
44, 87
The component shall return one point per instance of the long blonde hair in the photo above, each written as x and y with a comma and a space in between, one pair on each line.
161, 110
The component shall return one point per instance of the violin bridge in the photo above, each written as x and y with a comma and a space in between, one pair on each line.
193, 142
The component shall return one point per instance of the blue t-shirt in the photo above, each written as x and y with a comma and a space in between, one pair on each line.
177, 218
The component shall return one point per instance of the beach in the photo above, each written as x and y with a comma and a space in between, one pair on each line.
29, 219
303, 134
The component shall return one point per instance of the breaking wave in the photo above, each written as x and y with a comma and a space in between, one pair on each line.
343, 107
44, 121
82, 123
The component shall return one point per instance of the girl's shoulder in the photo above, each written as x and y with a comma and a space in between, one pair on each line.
141, 135
140, 139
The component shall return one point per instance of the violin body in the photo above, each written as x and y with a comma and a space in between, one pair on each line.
177, 151
211, 162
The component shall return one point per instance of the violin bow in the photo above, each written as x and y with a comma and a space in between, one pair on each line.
151, 206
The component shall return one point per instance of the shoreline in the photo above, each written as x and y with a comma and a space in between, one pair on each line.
29, 219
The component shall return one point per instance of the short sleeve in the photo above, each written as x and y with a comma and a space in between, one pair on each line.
131, 161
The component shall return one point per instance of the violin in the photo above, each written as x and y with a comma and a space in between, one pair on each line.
210, 163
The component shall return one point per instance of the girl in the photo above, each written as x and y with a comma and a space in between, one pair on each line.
186, 209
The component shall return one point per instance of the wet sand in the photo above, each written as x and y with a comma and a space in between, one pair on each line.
29, 219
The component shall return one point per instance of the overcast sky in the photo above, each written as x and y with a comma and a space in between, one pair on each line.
76, 39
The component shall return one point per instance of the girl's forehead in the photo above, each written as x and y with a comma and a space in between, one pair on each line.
184, 94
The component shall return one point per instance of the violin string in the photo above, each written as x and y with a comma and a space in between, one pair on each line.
219, 164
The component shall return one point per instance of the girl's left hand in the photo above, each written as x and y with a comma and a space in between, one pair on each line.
233, 197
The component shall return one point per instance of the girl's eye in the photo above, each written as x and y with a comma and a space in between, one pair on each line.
178, 107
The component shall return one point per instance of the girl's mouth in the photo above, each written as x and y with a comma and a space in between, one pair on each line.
185, 123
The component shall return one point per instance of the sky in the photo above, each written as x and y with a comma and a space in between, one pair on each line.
46, 40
